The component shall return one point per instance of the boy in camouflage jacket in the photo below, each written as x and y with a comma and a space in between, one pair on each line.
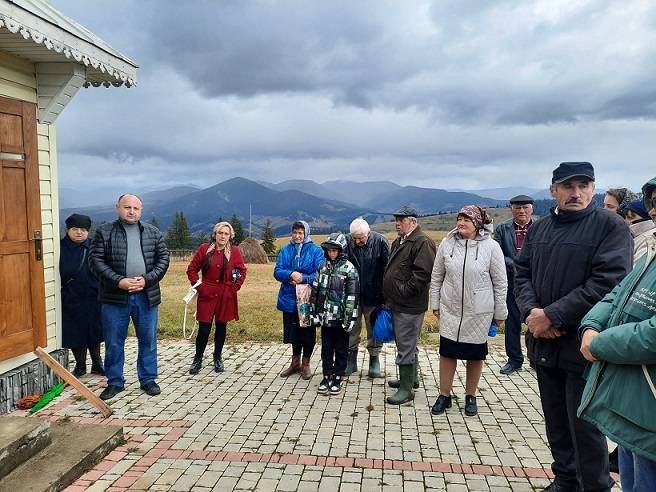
334, 306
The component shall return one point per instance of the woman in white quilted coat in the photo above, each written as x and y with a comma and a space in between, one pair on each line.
468, 291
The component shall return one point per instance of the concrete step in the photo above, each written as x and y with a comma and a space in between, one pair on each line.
75, 449
20, 439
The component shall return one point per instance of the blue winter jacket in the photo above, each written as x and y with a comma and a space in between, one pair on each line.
304, 258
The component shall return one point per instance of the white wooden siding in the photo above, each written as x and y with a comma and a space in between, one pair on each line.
17, 78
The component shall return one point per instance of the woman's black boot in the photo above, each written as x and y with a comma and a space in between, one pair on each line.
97, 366
218, 364
80, 355
196, 364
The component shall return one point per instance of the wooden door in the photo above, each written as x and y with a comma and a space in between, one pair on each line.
22, 289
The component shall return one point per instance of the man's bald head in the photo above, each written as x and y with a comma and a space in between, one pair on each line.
129, 208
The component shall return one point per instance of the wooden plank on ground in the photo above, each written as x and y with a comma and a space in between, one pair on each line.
63, 373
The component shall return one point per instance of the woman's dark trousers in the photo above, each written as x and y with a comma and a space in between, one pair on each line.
303, 338
204, 335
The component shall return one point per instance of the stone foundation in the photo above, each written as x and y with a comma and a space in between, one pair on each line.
30, 378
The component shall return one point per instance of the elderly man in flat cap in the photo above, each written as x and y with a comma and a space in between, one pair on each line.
570, 260
405, 288
511, 235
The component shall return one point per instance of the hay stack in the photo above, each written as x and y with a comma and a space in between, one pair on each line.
252, 251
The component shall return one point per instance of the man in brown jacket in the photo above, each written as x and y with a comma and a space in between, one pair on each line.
405, 288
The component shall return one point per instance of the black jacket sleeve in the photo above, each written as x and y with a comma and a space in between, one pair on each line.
98, 261
156, 273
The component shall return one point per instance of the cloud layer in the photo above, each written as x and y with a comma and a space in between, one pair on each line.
448, 94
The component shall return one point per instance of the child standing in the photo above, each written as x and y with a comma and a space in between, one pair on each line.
334, 306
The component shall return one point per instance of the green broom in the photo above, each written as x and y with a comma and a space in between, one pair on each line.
54, 392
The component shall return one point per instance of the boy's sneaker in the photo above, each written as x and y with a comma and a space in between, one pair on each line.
324, 386
336, 386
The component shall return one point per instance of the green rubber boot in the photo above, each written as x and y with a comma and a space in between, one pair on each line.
396, 383
404, 393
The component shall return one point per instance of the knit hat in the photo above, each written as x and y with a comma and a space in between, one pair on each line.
78, 220
638, 207
476, 214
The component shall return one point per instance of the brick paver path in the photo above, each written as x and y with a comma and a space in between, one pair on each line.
249, 429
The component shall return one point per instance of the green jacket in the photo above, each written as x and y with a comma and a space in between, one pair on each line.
335, 297
620, 393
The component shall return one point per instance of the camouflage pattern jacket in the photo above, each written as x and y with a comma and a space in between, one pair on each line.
335, 297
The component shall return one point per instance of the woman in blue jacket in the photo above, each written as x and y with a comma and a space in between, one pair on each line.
297, 264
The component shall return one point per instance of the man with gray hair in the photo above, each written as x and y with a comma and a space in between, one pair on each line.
405, 287
368, 251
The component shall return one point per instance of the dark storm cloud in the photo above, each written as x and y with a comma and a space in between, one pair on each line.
449, 93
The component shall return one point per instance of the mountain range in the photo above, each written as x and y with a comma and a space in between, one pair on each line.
328, 205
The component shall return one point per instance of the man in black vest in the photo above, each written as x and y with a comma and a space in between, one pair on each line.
511, 235
569, 261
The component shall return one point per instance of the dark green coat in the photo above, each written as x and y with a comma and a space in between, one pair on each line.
620, 394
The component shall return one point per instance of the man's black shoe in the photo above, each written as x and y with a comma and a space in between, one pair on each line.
509, 369
110, 392
151, 389
555, 487
218, 365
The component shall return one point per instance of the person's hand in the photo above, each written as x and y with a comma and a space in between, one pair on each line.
499, 322
436, 312
539, 324
132, 284
296, 278
139, 284
586, 340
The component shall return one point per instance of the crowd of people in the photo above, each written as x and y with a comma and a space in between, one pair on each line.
582, 279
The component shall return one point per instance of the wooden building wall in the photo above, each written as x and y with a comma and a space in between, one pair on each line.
18, 81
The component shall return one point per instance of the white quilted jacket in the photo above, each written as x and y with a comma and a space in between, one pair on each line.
469, 286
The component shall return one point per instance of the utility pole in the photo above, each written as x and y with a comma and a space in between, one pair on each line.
250, 220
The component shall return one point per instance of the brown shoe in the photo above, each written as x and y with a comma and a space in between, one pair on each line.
306, 372
293, 368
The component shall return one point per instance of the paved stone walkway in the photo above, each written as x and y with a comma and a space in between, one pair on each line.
249, 429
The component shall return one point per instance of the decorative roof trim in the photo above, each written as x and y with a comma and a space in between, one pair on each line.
120, 77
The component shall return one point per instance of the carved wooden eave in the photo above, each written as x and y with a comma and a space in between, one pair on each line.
66, 55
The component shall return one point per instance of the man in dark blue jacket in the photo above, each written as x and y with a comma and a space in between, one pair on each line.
130, 259
570, 260
511, 235
368, 251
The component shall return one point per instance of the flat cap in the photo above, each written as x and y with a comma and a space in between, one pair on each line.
406, 211
521, 200
570, 170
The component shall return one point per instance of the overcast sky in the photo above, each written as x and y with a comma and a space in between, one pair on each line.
447, 94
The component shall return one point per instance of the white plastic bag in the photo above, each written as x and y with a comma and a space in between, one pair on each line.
189, 297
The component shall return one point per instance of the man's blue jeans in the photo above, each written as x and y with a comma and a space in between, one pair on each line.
115, 320
637, 473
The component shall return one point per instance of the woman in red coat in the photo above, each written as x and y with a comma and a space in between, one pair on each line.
224, 273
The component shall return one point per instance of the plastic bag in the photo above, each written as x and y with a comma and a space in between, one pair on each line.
303, 292
492, 332
383, 327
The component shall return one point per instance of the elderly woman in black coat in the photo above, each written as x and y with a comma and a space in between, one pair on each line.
81, 326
